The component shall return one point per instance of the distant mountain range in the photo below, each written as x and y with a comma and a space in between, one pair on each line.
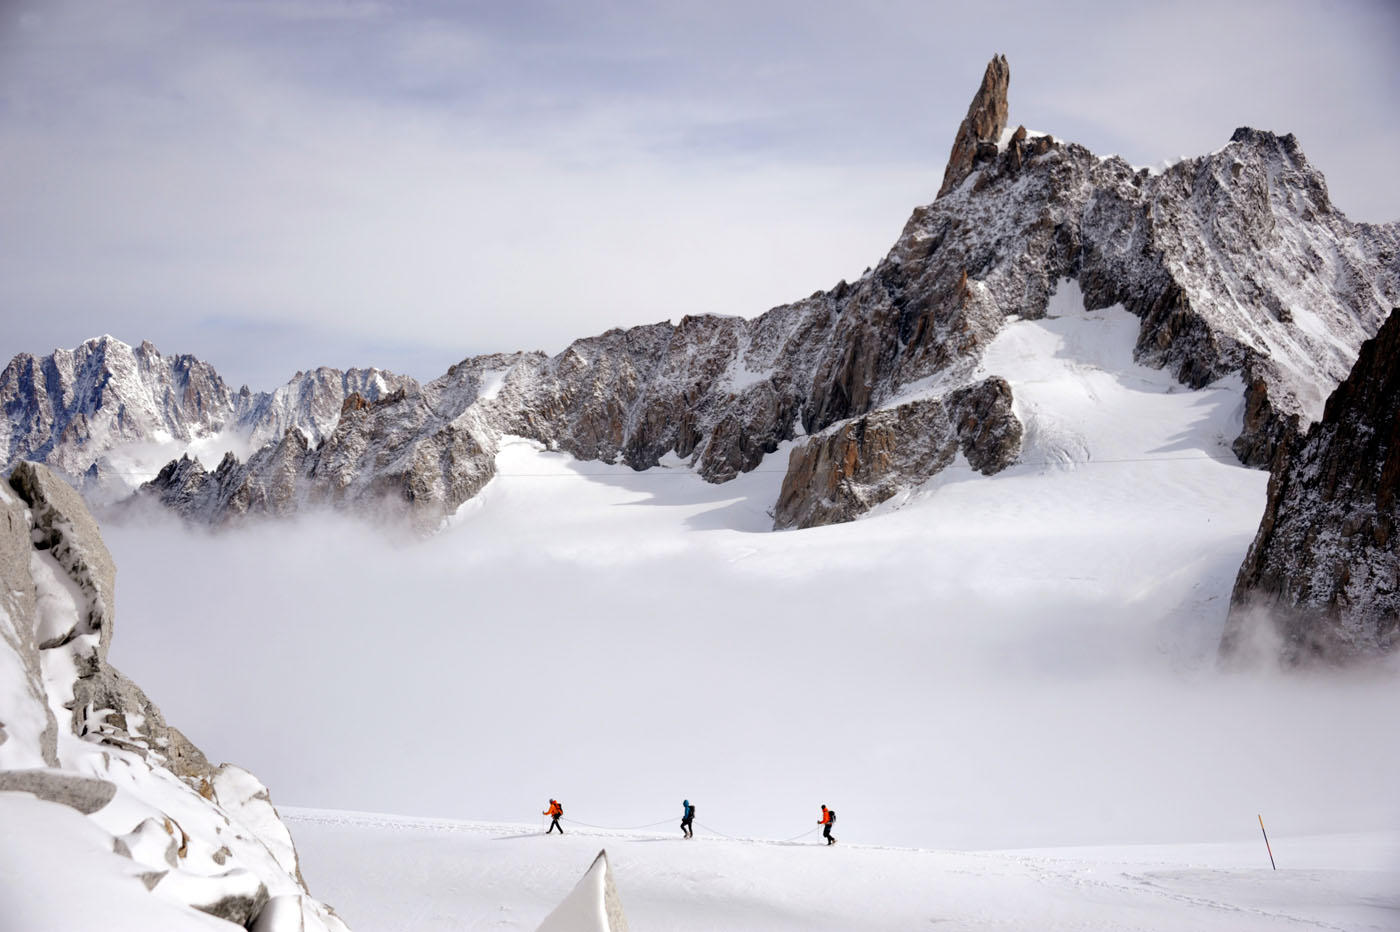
1235, 262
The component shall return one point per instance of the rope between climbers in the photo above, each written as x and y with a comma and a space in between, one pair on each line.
702, 825
717, 832
735, 838
803, 835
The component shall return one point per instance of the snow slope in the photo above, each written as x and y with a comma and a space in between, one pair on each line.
389, 874
1020, 660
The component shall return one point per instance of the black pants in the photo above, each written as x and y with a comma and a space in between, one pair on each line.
685, 827
826, 833
555, 824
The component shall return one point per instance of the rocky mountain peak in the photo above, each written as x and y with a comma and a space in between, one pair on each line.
981, 129
1234, 262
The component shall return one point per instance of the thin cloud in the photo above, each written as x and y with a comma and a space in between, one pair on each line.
492, 178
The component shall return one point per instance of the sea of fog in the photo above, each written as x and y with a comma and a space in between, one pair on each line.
938, 678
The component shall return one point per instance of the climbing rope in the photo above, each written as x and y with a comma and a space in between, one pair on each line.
702, 825
803, 835
715, 831
783, 841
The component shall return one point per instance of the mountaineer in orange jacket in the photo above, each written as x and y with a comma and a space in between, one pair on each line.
828, 819
555, 810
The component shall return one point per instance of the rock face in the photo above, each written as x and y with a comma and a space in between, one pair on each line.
82, 735
1235, 263
311, 402
71, 407
395, 457
866, 460
1322, 578
980, 132
83, 411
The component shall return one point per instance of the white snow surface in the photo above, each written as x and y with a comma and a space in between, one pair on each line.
491, 382
1019, 661
585, 909
388, 874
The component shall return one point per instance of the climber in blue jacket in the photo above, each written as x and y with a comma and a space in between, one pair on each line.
687, 816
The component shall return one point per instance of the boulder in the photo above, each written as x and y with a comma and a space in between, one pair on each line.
846, 470
85, 794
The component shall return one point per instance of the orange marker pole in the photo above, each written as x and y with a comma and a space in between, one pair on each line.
1266, 843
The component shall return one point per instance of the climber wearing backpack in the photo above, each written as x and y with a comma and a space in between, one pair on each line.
555, 811
828, 819
687, 816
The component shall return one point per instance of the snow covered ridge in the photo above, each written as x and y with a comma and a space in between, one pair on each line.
149, 833
108, 415
1234, 263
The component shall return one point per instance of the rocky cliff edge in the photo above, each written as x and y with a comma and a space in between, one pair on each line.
1321, 581
76, 733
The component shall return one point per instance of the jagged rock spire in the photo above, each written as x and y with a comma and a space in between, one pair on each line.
983, 125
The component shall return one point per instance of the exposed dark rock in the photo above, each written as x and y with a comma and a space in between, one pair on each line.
845, 471
238, 908
980, 131
989, 433
1321, 581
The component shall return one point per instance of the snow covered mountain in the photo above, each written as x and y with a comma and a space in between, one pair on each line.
1235, 265
71, 408
107, 415
1234, 262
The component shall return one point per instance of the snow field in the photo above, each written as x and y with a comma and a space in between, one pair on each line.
390, 874
985, 662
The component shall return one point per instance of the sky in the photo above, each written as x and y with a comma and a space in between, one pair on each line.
273, 186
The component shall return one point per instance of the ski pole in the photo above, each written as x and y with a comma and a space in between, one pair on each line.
1266, 843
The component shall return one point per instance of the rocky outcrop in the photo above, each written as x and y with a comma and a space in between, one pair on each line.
62, 526
311, 402
395, 458
77, 733
83, 794
1321, 582
980, 132
846, 470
